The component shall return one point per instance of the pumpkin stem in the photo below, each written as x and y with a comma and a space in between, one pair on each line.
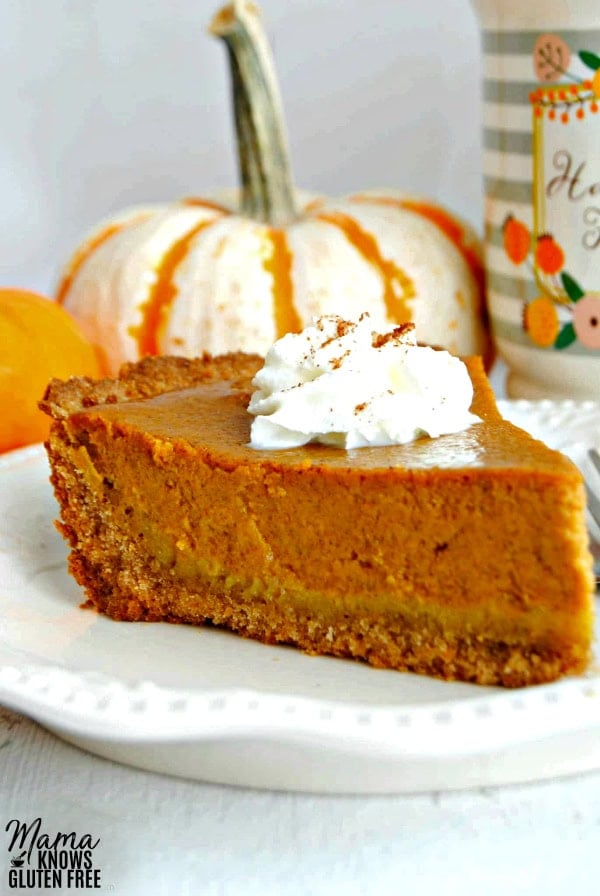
263, 157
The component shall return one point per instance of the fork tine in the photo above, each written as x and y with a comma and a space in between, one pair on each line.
593, 503
593, 506
595, 458
592, 500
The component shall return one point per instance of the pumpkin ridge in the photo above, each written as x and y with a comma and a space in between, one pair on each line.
443, 220
87, 250
200, 202
279, 265
163, 292
398, 287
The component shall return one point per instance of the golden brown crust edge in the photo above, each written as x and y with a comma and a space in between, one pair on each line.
146, 378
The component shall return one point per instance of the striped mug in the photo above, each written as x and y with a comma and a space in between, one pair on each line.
541, 166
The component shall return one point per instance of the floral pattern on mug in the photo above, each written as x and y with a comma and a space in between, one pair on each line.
552, 322
572, 95
564, 312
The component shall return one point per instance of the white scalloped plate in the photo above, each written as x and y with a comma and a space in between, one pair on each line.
202, 703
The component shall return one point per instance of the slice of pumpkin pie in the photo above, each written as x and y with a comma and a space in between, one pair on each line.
373, 505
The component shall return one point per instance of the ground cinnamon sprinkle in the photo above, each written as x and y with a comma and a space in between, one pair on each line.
381, 339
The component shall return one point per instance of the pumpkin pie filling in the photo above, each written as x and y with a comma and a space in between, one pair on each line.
463, 556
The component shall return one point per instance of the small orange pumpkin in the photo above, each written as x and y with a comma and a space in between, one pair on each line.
221, 275
39, 340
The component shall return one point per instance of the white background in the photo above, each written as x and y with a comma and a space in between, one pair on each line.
106, 103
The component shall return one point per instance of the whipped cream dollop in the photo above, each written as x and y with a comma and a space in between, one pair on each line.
339, 383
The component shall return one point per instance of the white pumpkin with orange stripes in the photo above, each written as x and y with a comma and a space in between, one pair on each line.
206, 275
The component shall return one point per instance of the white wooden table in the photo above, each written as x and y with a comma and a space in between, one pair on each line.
166, 836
